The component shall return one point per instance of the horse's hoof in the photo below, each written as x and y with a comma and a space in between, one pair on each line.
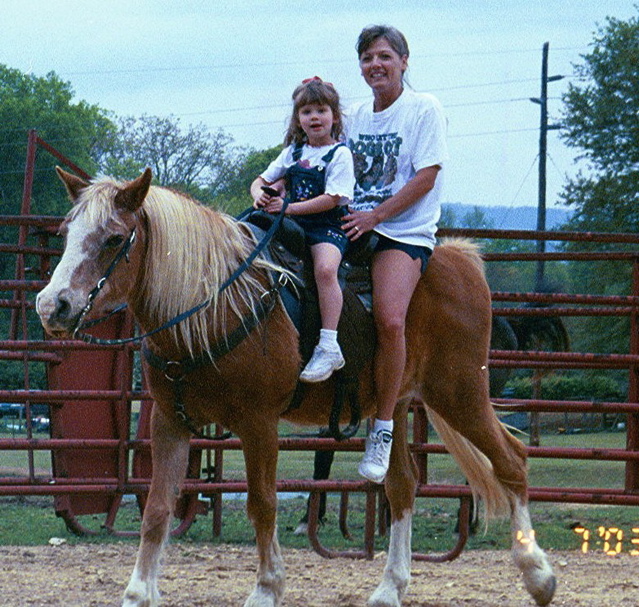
544, 595
302, 529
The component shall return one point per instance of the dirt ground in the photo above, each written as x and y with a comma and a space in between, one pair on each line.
214, 576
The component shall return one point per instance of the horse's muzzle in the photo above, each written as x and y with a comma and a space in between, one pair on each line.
58, 312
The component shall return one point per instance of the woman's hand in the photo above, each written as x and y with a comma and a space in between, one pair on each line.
357, 223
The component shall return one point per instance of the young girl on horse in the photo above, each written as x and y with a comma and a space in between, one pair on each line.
319, 177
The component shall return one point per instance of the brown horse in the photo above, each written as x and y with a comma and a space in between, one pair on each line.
163, 253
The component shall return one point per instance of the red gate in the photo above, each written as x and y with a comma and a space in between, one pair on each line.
94, 396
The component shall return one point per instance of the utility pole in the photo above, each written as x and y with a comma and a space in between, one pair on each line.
544, 127
541, 211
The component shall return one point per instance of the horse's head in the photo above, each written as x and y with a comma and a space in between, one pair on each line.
94, 271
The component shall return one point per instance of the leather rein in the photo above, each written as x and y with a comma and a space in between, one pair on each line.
177, 370
123, 253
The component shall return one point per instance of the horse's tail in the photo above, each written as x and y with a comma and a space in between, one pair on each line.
477, 469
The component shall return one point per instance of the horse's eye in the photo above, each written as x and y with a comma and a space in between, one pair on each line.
113, 241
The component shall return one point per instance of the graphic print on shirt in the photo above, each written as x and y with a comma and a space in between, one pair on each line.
375, 160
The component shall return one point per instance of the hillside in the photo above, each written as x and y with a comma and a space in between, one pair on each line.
508, 218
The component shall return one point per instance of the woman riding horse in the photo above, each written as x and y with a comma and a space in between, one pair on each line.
162, 254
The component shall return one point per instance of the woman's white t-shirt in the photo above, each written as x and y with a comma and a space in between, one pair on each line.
389, 147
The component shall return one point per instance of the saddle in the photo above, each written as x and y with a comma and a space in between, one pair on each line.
356, 332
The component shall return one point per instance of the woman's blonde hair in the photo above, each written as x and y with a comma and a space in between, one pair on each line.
313, 90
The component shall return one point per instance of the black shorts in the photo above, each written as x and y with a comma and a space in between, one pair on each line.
414, 251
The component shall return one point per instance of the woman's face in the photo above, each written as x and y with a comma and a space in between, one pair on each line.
382, 67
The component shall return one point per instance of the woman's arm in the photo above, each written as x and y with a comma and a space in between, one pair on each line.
422, 183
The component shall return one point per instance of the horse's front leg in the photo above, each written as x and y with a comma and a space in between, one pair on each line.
170, 451
260, 454
401, 482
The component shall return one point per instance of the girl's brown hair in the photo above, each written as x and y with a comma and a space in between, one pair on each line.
313, 90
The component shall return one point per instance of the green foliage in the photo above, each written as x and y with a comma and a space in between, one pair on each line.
193, 159
505, 275
13, 375
45, 104
571, 387
475, 219
234, 196
600, 118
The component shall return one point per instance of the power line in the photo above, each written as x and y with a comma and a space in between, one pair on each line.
244, 65
523, 182
287, 105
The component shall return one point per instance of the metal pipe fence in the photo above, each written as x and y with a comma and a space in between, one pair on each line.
98, 443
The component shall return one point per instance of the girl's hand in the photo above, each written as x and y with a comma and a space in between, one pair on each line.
263, 193
357, 223
261, 202
265, 199
274, 204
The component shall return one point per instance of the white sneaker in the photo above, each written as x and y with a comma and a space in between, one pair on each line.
374, 464
322, 364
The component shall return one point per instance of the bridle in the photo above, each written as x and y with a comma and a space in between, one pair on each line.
176, 370
123, 253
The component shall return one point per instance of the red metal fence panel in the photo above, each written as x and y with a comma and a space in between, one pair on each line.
99, 410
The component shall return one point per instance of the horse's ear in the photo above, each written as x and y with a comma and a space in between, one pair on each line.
72, 183
133, 194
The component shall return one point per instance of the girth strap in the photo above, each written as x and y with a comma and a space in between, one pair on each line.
346, 389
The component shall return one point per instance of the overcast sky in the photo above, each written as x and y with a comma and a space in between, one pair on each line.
235, 64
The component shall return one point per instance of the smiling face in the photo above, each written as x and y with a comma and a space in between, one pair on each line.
383, 68
317, 121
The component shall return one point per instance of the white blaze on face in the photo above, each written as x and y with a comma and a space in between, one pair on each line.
74, 254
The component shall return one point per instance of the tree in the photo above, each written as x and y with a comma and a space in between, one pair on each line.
600, 118
194, 159
234, 196
45, 104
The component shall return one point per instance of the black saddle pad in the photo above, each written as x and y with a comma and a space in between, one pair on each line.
356, 333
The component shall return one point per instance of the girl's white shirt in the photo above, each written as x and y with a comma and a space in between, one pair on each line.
340, 177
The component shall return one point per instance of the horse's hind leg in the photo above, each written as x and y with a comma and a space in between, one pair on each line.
531, 560
260, 448
170, 448
502, 484
400, 485
538, 575
508, 458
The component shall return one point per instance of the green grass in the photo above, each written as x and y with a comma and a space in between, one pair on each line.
32, 521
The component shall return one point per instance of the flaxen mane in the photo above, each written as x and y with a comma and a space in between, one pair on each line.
192, 251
